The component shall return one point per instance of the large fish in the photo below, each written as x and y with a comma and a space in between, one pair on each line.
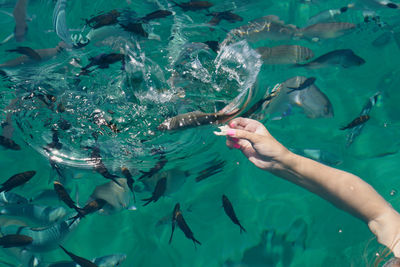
264, 28
105, 19
313, 102
285, 54
19, 13
60, 22
345, 58
193, 5
328, 15
40, 214
8, 143
15, 240
326, 30
45, 238
224, 15
12, 198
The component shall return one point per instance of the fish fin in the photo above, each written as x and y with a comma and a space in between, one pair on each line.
172, 232
27, 51
149, 200
242, 229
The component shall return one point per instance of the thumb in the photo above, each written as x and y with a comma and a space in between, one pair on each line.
253, 138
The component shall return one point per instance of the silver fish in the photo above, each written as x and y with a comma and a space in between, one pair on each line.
328, 15
326, 30
345, 58
285, 54
12, 198
46, 238
267, 27
109, 260
40, 214
313, 102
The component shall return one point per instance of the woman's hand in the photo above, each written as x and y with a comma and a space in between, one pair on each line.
257, 144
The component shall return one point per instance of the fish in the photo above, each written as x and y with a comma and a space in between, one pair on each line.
60, 23
24, 50
103, 61
55, 142
216, 167
44, 238
194, 5
174, 220
135, 27
12, 198
157, 167
285, 54
104, 261
99, 167
21, 27
224, 15
357, 121
158, 14
327, 30
79, 260
328, 15
180, 221
91, 207
307, 83
106, 19
228, 208
17, 180
8, 143
116, 197
64, 196
213, 45
158, 192
38, 213
15, 240
345, 58
383, 39
264, 28
127, 174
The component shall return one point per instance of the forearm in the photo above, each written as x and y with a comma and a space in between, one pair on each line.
347, 192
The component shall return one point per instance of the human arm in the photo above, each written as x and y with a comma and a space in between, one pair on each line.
341, 188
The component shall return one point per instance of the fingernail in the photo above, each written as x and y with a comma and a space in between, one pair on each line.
236, 146
231, 124
234, 139
231, 132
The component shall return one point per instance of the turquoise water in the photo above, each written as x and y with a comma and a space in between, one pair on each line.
167, 74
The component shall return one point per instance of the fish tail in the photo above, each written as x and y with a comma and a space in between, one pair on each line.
74, 219
195, 241
176, 4
242, 229
115, 181
149, 200
343, 128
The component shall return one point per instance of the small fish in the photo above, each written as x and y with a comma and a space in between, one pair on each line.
212, 170
64, 196
136, 28
225, 15
231, 212
326, 30
159, 191
9, 241
110, 260
9, 143
328, 15
79, 260
17, 180
89, 208
156, 15
177, 209
159, 165
194, 5
285, 54
383, 39
357, 121
213, 45
106, 19
55, 143
24, 50
180, 221
308, 82
127, 174
19, 14
345, 58
103, 61
99, 166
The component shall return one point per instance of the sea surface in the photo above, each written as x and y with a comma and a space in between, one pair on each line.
60, 113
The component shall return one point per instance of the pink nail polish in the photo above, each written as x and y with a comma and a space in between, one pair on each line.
231, 132
231, 124
236, 146
234, 139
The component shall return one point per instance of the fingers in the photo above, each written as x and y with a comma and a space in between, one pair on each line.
242, 134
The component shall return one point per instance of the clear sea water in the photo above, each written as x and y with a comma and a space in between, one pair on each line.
156, 84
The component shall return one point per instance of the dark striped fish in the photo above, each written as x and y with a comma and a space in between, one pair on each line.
156, 15
231, 212
17, 180
194, 5
285, 54
357, 121
106, 19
